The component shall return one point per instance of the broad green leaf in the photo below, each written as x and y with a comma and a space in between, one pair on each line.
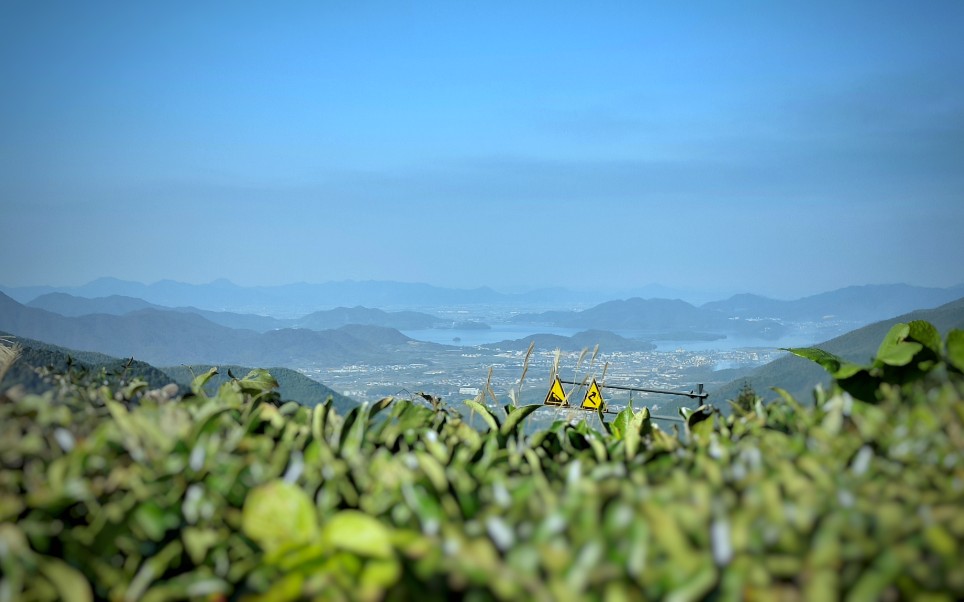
357, 532
830, 362
900, 354
641, 422
924, 333
955, 349
894, 337
278, 514
621, 424
258, 382
846, 370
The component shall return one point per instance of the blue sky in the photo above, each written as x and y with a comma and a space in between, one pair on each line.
781, 148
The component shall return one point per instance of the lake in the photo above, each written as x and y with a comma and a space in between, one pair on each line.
798, 335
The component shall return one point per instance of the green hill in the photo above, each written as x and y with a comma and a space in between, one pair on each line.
343, 316
586, 339
37, 356
292, 385
800, 376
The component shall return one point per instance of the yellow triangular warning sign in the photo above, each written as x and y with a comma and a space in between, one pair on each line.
556, 396
593, 398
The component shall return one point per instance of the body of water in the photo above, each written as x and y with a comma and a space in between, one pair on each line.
799, 336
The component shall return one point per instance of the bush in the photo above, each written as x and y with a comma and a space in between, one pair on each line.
116, 492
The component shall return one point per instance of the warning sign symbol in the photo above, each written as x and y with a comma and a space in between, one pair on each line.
593, 398
556, 396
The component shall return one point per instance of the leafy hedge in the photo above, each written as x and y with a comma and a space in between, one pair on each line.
116, 492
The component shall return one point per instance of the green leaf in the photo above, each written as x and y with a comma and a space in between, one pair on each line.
632, 439
379, 406
487, 415
600, 413
358, 532
353, 431
892, 350
955, 349
924, 333
70, 584
900, 355
278, 514
258, 382
641, 422
847, 369
155, 520
621, 423
198, 541
830, 362
515, 418
197, 385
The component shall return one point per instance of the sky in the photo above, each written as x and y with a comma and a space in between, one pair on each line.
780, 148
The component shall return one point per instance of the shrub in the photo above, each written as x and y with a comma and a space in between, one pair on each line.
116, 492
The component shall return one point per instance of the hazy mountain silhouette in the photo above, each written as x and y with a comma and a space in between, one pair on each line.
653, 316
290, 301
164, 337
73, 306
855, 303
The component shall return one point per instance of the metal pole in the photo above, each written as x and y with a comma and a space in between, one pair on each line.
699, 395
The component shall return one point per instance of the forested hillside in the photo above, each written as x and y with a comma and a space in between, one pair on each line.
799, 376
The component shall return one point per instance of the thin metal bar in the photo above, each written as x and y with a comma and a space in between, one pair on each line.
673, 418
624, 388
654, 416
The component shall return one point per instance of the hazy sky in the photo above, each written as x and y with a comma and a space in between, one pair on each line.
783, 148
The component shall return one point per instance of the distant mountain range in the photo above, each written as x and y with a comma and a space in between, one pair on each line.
862, 304
295, 300
287, 304
163, 337
749, 315
119, 305
799, 376
654, 316
123, 327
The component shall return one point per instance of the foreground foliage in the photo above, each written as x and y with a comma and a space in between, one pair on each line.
116, 492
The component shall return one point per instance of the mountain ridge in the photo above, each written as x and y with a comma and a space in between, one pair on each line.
799, 376
853, 303
295, 300
166, 337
